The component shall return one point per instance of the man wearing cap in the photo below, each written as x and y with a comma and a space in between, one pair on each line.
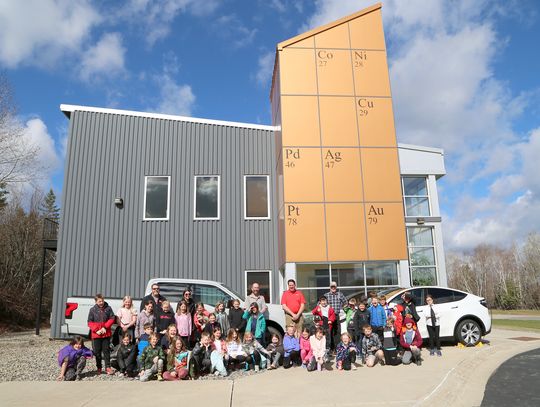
255, 296
337, 301
293, 303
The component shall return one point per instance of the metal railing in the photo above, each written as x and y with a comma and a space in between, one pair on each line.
50, 229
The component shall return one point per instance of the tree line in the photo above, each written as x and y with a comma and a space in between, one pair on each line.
509, 278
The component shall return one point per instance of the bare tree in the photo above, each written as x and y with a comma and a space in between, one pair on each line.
18, 158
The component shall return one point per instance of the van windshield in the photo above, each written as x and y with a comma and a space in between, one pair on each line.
240, 297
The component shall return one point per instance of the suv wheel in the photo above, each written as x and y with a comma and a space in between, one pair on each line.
468, 332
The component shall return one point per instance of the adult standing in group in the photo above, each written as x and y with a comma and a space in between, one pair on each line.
100, 320
187, 296
255, 296
337, 301
293, 303
156, 298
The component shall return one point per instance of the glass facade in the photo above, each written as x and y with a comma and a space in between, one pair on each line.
415, 194
354, 279
423, 264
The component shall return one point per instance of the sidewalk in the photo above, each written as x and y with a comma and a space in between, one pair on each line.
456, 379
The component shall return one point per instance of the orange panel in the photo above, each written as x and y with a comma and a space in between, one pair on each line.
382, 179
367, 31
386, 231
300, 121
338, 121
371, 73
342, 177
346, 232
297, 71
334, 72
376, 122
335, 37
307, 43
302, 175
304, 232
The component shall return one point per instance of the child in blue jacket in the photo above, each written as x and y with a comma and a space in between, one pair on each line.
291, 346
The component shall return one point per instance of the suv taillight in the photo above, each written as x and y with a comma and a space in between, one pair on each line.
483, 302
70, 307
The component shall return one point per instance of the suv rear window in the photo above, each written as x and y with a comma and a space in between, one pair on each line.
441, 295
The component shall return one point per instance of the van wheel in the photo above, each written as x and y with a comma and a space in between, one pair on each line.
468, 332
270, 330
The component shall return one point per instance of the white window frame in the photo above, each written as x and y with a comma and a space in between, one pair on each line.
426, 179
434, 246
269, 282
267, 197
195, 196
168, 196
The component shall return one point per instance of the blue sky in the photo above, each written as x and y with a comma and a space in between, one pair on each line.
464, 75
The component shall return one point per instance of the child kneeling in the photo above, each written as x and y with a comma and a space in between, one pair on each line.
371, 347
346, 353
72, 359
254, 351
152, 359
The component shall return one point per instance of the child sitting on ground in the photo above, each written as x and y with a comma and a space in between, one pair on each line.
346, 353
291, 348
72, 359
169, 337
152, 359
254, 351
305, 347
371, 347
276, 351
126, 357
390, 344
256, 324
177, 361
411, 341
235, 353
208, 359
318, 348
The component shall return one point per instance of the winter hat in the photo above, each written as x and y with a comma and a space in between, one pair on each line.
408, 321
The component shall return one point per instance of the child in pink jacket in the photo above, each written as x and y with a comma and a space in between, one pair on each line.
305, 348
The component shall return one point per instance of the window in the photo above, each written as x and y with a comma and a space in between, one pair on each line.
416, 196
256, 197
172, 291
156, 198
381, 274
441, 295
209, 294
423, 265
206, 197
261, 277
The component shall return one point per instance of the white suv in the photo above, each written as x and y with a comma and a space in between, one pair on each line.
465, 317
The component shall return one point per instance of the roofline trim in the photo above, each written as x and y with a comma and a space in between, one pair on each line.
325, 27
68, 109
421, 148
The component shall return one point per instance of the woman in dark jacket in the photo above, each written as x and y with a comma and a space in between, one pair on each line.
409, 308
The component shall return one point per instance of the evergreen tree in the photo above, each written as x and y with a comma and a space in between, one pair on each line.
48, 207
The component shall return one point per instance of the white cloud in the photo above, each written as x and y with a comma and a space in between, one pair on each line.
36, 134
104, 58
157, 16
265, 68
233, 28
175, 99
446, 94
39, 32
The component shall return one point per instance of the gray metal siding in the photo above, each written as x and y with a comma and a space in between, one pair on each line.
113, 251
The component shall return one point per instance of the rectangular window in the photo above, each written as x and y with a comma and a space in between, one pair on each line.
415, 193
422, 258
156, 197
263, 278
206, 197
256, 197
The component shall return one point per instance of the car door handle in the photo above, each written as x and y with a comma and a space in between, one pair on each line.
455, 307
420, 310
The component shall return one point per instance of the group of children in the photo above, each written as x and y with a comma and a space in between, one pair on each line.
175, 346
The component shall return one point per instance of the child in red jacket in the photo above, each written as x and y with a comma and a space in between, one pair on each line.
100, 320
411, 341
325, 317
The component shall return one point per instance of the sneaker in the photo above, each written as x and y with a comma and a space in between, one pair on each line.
382, 362
159, 377
99, 371
120, 374
431, 352
418, 362
109, 371
353, 367
257, 368
78, 378
439, 353
216, 373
